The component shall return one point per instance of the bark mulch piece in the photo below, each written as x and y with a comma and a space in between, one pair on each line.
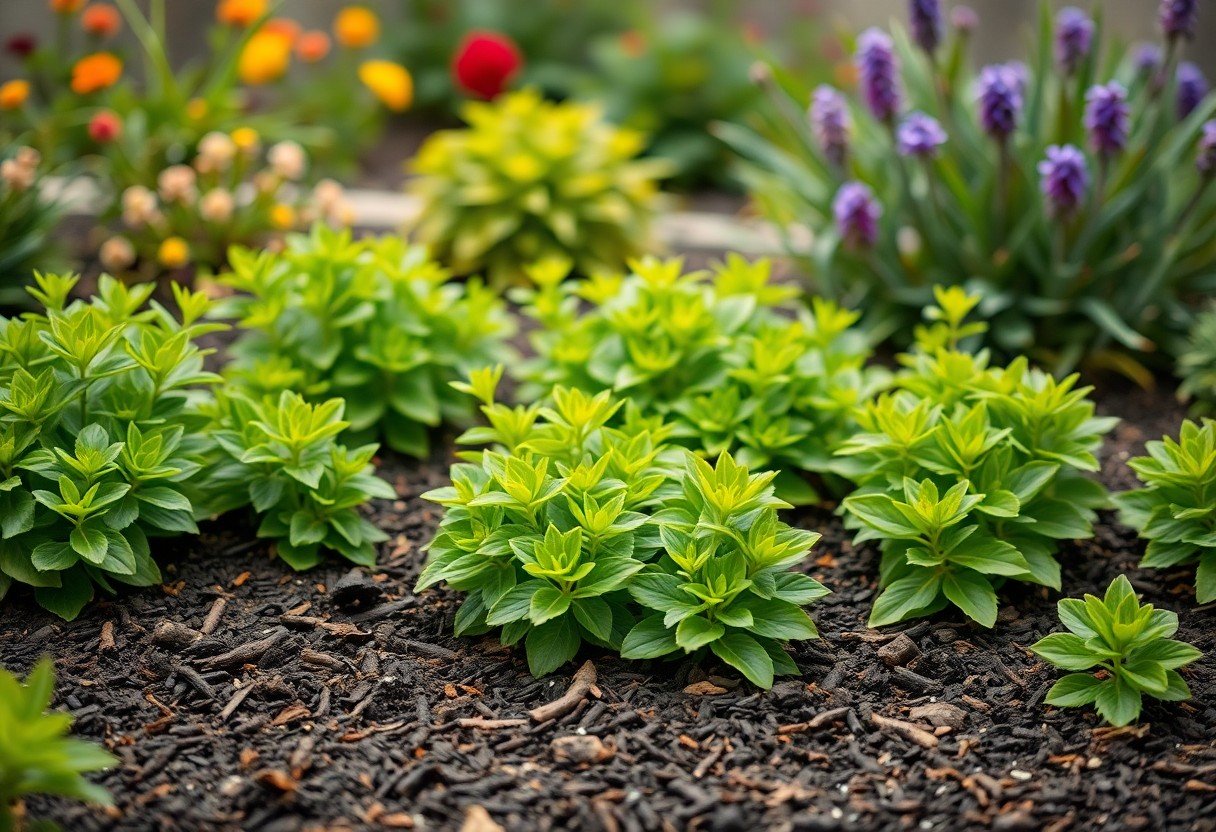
241, 695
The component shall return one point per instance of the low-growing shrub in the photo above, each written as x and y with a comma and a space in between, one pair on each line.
529, 179
98, 436
1176, 509
281, 455
1197, 364
373, 321
969, 474
1071, 191
568, 530
723, 356
36, 756
1130, 644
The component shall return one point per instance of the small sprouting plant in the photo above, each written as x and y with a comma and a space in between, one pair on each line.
99, 436
723, 356
375, 322
568, 530
528, 180
36, 756
970, 475
1129, 644
281, 455
1197, 363
1176, 510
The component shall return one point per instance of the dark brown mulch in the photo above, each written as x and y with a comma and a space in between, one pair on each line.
244, 696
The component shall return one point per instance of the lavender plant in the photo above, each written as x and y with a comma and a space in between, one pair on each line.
1064, 190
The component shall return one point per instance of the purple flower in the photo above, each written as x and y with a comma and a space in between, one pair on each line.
1192, 87
857, 212
1178, 18
926, 19
1147, 60
830, 123
920, 135
1074, 37
879, 71
1106, 117
1205, 158
1000, 101
1019, 75
964, 19
1064, 179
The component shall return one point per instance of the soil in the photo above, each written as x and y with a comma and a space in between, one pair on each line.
241, 695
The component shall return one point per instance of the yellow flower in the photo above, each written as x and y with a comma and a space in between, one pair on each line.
95, 72
66, 6
265, 58
246, 139
389, 82
196, 109
173, 253
283, 217
239, 12
13, 94
356, 27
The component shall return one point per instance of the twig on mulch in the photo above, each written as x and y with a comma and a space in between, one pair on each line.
906, 730
490, 724
213, 616
580, 685
815, 723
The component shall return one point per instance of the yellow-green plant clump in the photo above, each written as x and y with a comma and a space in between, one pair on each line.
529, 179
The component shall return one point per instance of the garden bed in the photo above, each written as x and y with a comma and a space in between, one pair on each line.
242, 695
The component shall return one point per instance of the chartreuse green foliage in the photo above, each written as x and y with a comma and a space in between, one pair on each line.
529, 179
969, 475
36, 756
1197, 363
568, 530
98, 437
1176, 510
724, 356
1129, 642
281, 455
373, 321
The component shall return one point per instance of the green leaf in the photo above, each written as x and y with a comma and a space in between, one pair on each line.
548, 602
596, 616
607, 575
746, 655
1066, 650
649, 639
905, 598
90, 542
514, 604
1118, 702
68, 599
1074, 690
780, 620
973, 594
551, 645
694, 632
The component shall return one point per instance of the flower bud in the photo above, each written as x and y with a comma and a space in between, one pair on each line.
830, 123
857, 212
105, 127
216, 206
1074, 38
1106, 117
1064, 179
117, 255
287, 159
878, 68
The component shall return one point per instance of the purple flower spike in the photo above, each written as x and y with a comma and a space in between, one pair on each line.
964, 19
920, 135
926, 19
1205, 159
1074, 37
1106, 117
857, 213
879, 71
1064, 179
1000, 101
1178, 18
830, 123
1192, 87
1148, 60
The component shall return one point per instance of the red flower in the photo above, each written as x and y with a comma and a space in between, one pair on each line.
21, 45
485, 62
105, 127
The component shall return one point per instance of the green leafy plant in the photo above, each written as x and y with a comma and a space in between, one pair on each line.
1130, 644
1070, 204
1176, 510
528, 180
99, 435
567, 530
36, 756
968, 474
281, 455
1197, 364
373, 321
723, 356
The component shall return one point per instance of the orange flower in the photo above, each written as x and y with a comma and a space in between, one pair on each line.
13, 94
284, 26
101, 20
66, 6
240, 12
312, 46
265, 58
356, 27
173, 253
389, 82
95, 72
